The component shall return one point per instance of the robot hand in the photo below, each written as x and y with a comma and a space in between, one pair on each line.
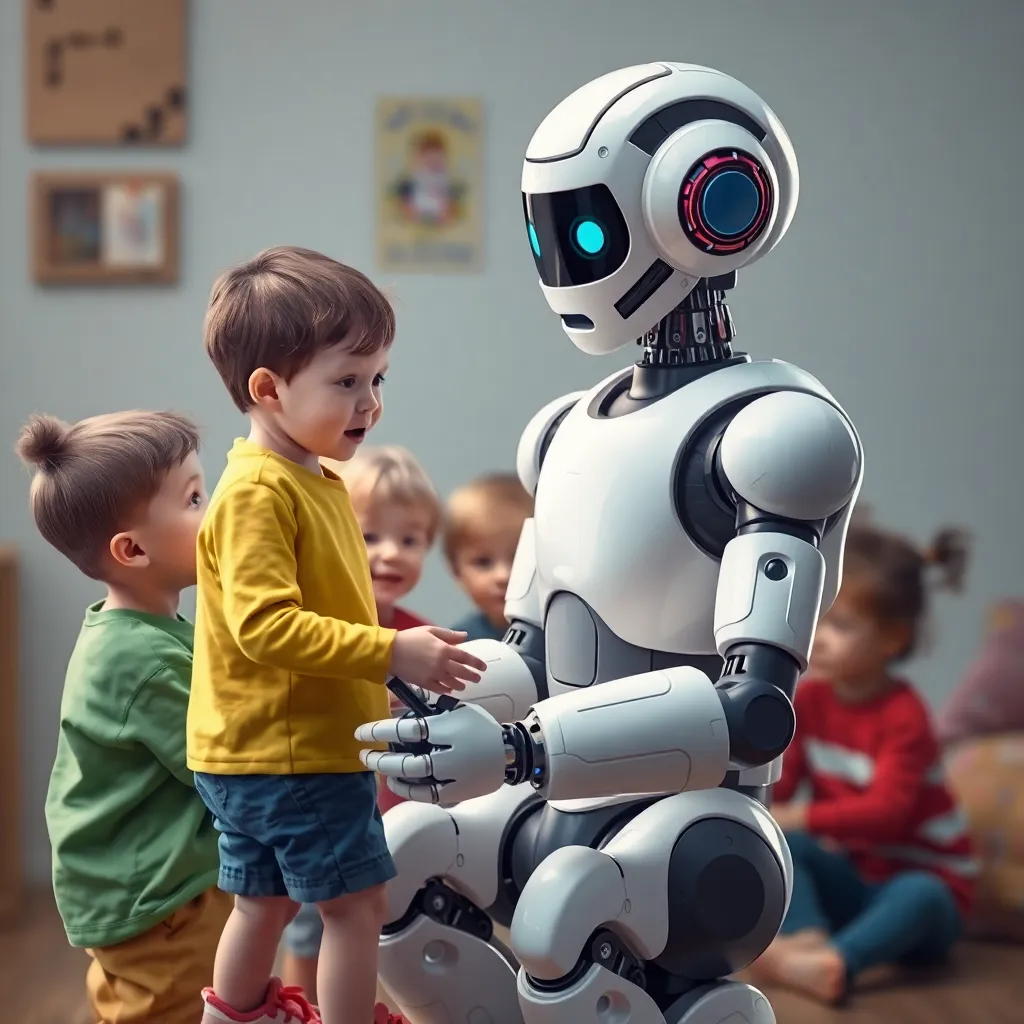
453, 753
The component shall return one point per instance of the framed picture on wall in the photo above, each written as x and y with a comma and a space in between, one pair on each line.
105, 228
429, 184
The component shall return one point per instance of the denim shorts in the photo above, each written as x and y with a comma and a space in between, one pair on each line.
311, 838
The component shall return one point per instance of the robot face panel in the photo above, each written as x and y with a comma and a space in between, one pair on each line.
577, 237
680, 175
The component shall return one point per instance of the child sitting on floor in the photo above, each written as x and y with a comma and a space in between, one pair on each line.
399, 513
882, 861
485, 518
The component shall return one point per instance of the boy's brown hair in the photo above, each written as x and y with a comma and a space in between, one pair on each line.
389, 474
92, 477
498, 499
282, 307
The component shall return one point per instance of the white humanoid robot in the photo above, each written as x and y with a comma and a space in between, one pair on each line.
604, 788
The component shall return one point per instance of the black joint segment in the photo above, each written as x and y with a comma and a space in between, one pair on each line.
549, 434
756, 692
528, 765
750, 519
762, 661
444, 905
527, 640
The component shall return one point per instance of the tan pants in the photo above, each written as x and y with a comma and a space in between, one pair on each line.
157, 977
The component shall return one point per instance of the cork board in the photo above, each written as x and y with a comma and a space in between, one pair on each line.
105, 72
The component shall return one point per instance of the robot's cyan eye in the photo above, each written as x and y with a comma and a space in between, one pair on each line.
534, 240
588, 237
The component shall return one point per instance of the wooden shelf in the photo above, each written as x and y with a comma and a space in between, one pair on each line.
11, 882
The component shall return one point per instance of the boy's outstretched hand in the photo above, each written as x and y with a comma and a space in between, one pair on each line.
427, 656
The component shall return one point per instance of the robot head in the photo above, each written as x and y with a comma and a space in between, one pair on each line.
642, 182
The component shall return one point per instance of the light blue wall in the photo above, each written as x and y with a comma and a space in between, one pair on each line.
898, 285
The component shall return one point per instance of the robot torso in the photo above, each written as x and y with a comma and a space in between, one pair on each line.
630, 523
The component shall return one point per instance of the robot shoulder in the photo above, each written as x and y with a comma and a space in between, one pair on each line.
792, 454
537, 437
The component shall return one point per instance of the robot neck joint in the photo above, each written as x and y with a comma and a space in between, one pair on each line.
696, 336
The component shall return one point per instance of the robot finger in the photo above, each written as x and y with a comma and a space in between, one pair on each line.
393, 730
409, 766
423, 792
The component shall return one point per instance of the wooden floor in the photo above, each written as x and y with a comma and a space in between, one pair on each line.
41, 977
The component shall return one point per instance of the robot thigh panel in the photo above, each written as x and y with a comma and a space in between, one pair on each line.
439, 960
692, 889
687, 890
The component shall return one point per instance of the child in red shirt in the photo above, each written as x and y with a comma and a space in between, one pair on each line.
882, 863
400, 514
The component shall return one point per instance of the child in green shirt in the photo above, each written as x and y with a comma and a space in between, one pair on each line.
134, 848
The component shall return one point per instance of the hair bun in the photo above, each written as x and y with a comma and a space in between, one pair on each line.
949, 552
43, 442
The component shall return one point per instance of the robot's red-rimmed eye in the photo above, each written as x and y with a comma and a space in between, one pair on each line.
725, 202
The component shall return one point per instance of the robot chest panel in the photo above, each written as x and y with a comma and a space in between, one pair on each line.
607, 529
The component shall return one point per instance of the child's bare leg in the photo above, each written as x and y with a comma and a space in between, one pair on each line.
347, 973
247, 950
302, 949
300, 971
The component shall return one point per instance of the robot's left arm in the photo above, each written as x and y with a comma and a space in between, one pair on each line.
790, 461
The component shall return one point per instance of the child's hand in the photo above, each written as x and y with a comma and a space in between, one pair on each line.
791, 817
427, 656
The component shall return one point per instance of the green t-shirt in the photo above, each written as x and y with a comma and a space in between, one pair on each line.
132, 841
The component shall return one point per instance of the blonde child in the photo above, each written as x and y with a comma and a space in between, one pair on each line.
290, 658
121, 496
399, 513
883, 868
482, 527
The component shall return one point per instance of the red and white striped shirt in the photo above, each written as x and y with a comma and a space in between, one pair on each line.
877, 785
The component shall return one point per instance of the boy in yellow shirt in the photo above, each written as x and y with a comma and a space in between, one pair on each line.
289, 655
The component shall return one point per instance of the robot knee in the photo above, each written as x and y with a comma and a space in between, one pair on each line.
424, 844
573, 892
727, 898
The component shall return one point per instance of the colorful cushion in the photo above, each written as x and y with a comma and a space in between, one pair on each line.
991, 697
987, 775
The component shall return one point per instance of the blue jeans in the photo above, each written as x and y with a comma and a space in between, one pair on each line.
312, 838
911, 918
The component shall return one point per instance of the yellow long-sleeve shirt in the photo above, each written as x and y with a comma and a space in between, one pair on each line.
289, 658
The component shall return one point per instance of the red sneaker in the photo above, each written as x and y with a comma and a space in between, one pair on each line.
382, 1015
285, 1004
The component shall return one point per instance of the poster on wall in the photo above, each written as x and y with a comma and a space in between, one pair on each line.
429, 184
